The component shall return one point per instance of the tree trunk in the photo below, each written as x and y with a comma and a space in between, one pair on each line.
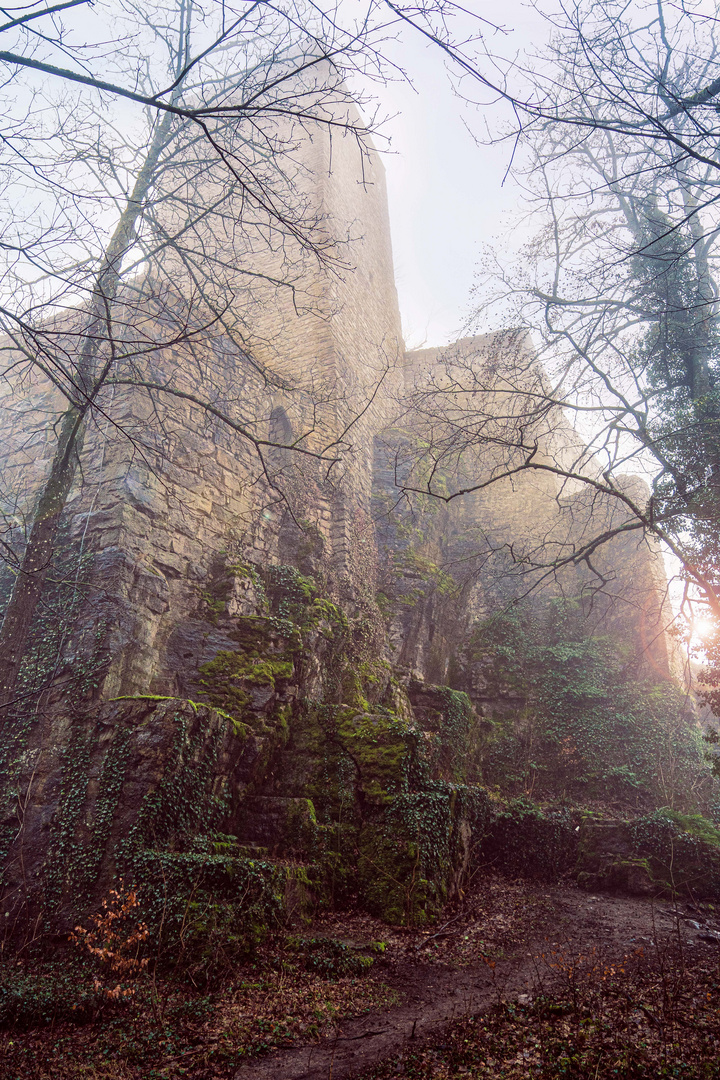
89, 379
38, 554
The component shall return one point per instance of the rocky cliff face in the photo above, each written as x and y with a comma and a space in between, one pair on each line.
300, 761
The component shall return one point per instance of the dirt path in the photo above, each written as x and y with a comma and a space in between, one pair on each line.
564, 923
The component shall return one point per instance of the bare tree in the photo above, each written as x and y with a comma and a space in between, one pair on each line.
618, 150
134, 242
140, 235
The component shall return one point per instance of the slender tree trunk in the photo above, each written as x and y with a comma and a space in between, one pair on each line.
38, 553
91, 371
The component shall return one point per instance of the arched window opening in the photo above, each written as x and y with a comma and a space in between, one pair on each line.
281, 432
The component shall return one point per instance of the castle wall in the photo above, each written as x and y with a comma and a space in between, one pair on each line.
511, 534
166, 492
168, 495
169, 499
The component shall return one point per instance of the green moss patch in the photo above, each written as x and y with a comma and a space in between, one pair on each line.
379, 746
225, 680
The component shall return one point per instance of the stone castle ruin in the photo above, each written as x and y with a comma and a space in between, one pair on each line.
266, 673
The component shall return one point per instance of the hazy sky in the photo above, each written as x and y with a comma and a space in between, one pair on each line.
446, 193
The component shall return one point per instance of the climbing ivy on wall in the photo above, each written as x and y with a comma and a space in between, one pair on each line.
69, 861
55, 624
45, 658
202, 897
577, 715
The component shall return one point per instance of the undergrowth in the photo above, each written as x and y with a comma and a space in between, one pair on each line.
651, 1015
57, 1020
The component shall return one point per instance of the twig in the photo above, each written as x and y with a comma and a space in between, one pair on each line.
442, 932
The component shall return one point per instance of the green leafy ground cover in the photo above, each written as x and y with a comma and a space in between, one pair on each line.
55, 1023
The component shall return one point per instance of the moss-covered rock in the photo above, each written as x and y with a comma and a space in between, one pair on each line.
287, 788
143, 779
390, 875
663, 852
228, 680
380, 746
682, 850
631, 877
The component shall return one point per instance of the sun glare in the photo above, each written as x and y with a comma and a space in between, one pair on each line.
701, 630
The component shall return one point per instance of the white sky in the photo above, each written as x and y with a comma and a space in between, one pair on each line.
445, 191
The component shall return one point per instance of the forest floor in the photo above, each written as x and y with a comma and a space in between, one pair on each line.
523, 980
